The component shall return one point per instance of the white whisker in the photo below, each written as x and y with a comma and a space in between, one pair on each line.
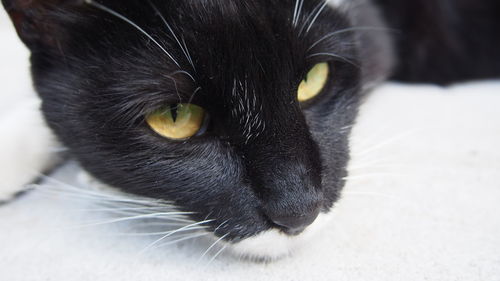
137, 217
217, 254
371, 175
168, 243
139, 234
68, 188
220, 225
350, 29
182, 229
194, 94
211, 246
175, 85
103, 198
183, 72
188, 54
121, 209
172, 32
308, 19
316, 16
294, 19
391, 197
373, 165
120, 16
299, 12
386, 142
334, 56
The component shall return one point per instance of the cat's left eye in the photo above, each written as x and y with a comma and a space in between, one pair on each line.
314, 82
178, 122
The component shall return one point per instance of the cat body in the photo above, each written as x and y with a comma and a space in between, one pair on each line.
265, 165
443, 42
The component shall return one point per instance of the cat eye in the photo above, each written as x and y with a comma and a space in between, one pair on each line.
314, 82
178, 122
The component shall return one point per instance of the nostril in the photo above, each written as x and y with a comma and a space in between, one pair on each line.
295, 224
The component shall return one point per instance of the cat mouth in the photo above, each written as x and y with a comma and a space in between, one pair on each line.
273, 242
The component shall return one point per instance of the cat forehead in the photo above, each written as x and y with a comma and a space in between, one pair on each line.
220, 37
229, 32
224, 46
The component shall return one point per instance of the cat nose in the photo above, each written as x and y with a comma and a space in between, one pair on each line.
295, 224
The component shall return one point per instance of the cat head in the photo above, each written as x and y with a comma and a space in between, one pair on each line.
236, 111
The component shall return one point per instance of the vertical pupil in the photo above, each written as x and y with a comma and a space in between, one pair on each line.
173, 110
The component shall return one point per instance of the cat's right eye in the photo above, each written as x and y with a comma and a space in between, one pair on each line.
178, 122
314, 82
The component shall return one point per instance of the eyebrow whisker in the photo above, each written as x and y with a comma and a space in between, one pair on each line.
350, 29
318, 13
335, 56
120, 16
183, 48
297, 12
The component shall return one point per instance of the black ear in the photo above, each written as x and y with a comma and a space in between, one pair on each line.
36, 21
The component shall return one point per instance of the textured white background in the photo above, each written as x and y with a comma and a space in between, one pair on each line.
423, 202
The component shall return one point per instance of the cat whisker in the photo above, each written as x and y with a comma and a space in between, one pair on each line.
183, 72
182, 229
308, 19
316, 16
121, 209
350, 29
371, 175
297, 12
194, 94
125, 19
58, 149
107, 197
342, 58
185, 238
373, 165
134, 213
139, 234
188, 54
347, 127
212, 246
217, 254
173, 33
385, 143
160, 223
163, 210
97, 197
220, 225
166, 216
393, 198
175, 85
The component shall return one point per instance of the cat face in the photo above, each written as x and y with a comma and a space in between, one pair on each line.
260, 160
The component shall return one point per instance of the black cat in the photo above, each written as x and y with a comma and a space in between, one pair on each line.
237, 111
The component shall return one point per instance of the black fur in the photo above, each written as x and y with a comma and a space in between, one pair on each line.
264, 154
445, 41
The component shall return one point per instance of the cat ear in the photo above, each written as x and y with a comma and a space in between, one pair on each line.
35, 20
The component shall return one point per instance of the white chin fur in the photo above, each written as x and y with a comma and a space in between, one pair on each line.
274, 244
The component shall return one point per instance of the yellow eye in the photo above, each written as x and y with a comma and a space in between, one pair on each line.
177, 122
314, 82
